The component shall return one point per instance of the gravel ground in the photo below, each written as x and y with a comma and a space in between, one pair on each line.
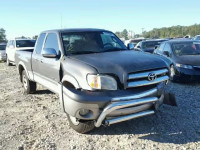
36, 122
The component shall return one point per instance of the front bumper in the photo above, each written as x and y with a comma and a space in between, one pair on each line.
185, 74
111, 107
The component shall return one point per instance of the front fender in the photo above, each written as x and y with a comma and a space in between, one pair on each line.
71, 80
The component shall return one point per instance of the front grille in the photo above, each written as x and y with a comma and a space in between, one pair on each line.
146, 78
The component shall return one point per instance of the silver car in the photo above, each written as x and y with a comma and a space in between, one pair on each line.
3, 51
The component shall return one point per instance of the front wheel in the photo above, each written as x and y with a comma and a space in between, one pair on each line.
29, 86
80, 126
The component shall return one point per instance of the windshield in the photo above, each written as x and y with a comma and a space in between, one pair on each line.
91, 42
151, 44
186, 48
197, 38
25, 43
2, 47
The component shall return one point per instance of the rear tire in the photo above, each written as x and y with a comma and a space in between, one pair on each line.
80, 127
29, 86
8, 62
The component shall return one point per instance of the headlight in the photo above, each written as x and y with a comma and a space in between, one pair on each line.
184, 66
104, 82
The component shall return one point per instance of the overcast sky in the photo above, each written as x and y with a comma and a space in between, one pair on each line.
30, 17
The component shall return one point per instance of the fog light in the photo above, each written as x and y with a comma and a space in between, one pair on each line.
84, 112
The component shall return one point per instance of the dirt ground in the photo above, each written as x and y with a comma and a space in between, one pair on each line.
36, 122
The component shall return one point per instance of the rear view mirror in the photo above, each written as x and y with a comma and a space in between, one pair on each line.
49, 53
130, 46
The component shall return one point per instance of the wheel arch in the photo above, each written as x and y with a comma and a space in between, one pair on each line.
69, 81
21, 67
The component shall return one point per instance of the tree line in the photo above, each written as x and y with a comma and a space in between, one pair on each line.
4, 39
174, 31
165, 32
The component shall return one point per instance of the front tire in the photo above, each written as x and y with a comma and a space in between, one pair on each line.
80, 127
29, 86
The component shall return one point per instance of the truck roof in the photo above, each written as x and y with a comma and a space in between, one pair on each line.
76, 30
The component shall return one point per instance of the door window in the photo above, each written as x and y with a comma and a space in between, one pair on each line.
52, 42
167, 48
161, 47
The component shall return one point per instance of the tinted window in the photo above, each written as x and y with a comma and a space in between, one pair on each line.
52, 42
197, 38
150, 44
40, 42
2, 47
25, 43
186, 48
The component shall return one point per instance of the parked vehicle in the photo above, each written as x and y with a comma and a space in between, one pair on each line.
149, 45
99, 81
197, 38
185, 58
2, 51
134, 41
14, 45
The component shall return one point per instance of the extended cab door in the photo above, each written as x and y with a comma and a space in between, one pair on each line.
36, 57
47, 70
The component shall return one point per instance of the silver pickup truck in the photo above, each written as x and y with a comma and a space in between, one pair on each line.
99, 80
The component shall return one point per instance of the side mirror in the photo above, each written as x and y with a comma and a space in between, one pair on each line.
49, 53
130, 46
166, 53
156, 47
138, 46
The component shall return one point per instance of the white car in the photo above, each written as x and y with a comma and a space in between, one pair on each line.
17, 44
2, 51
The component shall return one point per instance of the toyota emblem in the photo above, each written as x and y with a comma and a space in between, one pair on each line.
152, 76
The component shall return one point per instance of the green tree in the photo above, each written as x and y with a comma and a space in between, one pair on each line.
2, 35
125, 34
174, 31
118, 34
35, 37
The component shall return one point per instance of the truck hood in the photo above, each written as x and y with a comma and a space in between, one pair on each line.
121, 63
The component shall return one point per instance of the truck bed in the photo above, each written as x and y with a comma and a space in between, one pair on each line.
24, 58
